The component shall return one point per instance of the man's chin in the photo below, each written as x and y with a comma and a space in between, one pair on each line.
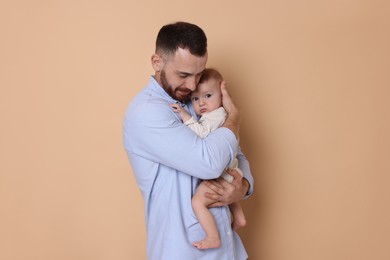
181, 98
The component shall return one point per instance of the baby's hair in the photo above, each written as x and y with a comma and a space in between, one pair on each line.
210, 73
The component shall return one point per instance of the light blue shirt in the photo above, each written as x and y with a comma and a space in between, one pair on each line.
168, 160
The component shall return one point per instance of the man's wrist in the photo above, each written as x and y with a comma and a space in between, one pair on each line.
246, 187
233, 123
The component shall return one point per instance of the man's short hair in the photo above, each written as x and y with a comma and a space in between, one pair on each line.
181, 35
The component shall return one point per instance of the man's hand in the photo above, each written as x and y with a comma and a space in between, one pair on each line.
224, 192
233, 120
227, 101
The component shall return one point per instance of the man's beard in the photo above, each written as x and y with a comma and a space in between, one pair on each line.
169, 89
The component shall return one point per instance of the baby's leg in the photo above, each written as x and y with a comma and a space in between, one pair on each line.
205, 218
239, 220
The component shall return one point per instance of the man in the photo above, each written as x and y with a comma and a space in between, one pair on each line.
169, 160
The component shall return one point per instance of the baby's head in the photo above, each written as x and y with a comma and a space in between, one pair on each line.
207, 96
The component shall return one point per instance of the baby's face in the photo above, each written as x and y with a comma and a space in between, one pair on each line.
207, 97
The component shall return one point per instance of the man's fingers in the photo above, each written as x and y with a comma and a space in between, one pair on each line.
212, 196
232, 172
215, 204
214, 186
216, 198
223, 85
237, 178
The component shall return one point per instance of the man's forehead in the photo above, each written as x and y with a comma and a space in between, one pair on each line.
185, 62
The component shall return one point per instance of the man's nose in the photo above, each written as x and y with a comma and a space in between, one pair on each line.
191, 84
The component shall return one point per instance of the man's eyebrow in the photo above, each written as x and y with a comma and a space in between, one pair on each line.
184, 73
189, 74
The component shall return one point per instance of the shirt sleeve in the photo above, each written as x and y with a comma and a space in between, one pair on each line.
154, 132
243, 164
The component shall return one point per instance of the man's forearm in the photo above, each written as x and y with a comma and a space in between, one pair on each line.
233, 123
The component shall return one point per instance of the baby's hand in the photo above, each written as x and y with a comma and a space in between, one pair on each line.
177, 108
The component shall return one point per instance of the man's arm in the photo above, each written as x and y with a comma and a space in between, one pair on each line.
151, 130
225, 193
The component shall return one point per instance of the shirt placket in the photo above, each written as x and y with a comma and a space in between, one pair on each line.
228, 233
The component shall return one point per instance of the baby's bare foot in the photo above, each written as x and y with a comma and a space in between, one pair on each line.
207, 243
238, 223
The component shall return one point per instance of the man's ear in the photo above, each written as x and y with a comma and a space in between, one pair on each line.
157, 62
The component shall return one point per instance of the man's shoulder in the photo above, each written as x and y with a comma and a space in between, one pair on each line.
147, 98
145, 107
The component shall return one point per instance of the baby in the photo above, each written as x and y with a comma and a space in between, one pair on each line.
207, 103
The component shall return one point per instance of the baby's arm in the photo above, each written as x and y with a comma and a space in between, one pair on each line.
200, 129
181, 111
207, 123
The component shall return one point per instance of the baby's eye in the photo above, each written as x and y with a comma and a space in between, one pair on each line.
194, 98
208, 95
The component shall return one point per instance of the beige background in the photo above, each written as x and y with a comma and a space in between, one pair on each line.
310, 77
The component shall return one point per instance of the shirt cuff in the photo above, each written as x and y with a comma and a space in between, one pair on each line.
190, 121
